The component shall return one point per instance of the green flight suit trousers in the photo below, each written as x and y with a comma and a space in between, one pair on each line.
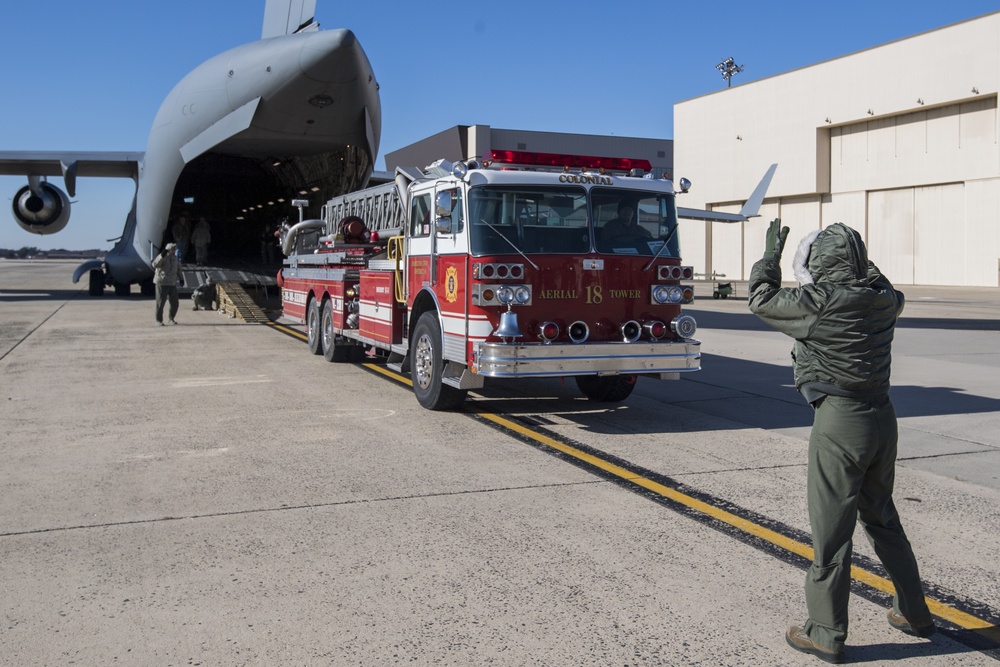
852, 465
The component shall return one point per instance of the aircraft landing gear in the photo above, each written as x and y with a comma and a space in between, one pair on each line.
96, 284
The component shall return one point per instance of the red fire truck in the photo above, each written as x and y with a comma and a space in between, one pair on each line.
500, 269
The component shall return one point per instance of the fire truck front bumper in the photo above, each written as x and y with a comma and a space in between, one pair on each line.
513, 360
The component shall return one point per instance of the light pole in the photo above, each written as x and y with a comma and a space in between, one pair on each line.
728, 67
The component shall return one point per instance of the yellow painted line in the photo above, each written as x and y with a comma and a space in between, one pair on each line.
288, 330
392, 375
939, 609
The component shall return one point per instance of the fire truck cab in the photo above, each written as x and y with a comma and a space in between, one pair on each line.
467, 271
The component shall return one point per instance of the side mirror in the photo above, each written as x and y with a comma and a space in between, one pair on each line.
442, 213
443, 202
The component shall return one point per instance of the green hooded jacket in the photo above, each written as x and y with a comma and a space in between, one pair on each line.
842, 315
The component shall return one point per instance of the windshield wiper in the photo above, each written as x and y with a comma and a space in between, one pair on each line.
510, 243
666, 241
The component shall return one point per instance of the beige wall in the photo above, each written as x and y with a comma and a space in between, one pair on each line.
467, 142
899, 141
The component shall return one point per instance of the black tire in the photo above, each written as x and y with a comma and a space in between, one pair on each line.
715, 295
312, 327
95, 285
606, 389
427, 367
147, 288
333, 349
122, 289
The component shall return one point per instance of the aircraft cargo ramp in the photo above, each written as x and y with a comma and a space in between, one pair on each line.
235, 301
245, 292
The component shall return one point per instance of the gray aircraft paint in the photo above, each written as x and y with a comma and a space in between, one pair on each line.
301, 100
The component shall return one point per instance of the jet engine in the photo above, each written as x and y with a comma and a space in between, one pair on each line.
41, 208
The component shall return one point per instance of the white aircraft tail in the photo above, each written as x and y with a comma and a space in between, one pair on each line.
750, 208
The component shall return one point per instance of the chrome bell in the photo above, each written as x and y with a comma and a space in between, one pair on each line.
508, 325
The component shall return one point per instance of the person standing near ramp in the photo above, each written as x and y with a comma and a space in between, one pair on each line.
842, 317
167, 273
201, 237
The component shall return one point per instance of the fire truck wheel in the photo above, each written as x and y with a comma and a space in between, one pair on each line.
609, 389
332, 349
427, 364
312, 327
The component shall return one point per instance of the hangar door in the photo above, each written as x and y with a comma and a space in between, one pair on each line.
917, 235
915, 170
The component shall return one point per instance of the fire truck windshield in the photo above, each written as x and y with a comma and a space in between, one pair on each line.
534, 219
634, 222
554, 219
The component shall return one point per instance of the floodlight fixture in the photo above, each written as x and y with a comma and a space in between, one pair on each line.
728, 68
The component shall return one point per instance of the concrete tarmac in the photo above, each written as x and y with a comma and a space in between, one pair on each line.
210, 493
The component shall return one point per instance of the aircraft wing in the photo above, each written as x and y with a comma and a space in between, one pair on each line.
750, 208
284, 17
70, 164
709, 216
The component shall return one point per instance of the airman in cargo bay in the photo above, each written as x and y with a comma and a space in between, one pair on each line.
842, 317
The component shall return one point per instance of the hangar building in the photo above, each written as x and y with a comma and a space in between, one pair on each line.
898, 141
468, 142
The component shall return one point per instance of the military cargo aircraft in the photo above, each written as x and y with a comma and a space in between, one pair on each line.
296, 113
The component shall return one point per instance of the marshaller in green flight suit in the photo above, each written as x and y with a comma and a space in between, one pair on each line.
842, 318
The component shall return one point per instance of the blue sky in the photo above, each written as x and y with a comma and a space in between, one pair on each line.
91, 75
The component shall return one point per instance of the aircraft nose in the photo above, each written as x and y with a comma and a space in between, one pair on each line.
328, 56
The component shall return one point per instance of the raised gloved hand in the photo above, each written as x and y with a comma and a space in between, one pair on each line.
776, 235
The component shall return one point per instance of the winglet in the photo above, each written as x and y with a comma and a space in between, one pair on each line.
752, 207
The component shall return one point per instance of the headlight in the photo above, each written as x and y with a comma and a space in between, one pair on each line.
501, 295
664, 294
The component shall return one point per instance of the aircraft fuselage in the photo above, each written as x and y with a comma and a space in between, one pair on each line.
263, 120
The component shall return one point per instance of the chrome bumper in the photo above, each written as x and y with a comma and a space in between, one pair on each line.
511, 360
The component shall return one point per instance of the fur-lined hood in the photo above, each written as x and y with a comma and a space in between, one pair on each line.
835, 255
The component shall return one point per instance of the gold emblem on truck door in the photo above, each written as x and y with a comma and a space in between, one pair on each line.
451, 284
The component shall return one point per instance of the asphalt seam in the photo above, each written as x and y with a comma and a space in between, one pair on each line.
37, 327
287, 508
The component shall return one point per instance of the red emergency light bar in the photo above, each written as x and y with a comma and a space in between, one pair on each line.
558, 160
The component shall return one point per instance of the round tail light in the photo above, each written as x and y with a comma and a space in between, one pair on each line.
549, 331
655, 329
